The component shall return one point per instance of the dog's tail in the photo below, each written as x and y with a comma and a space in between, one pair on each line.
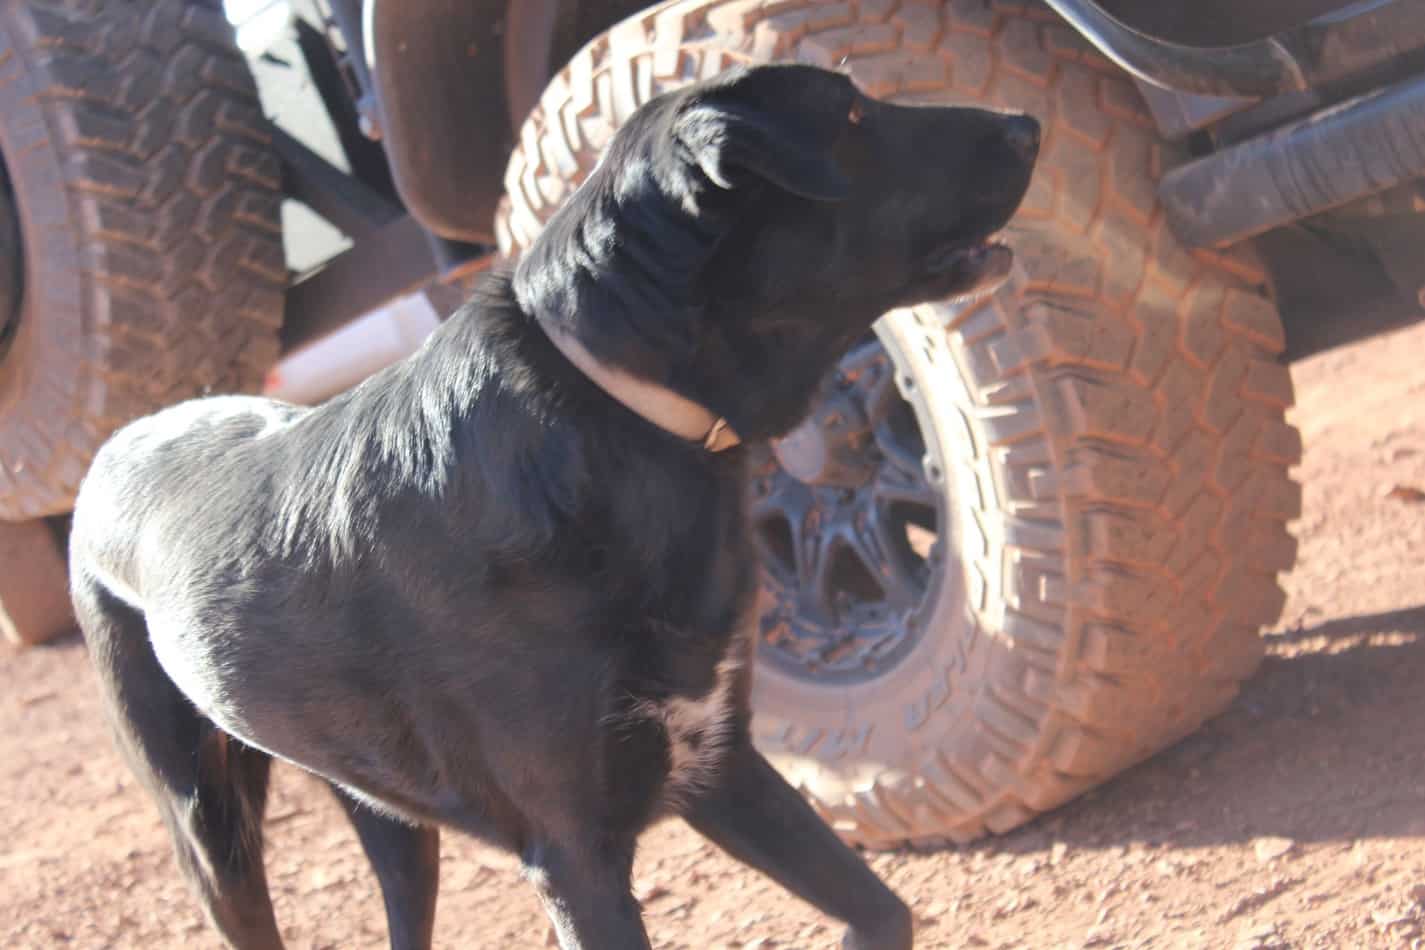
210, 788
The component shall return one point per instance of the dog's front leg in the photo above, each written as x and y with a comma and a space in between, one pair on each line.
585, 888
755, 816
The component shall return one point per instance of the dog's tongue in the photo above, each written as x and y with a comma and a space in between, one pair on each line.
975, 270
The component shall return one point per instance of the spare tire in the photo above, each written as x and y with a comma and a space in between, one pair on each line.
1101, 448
147, 201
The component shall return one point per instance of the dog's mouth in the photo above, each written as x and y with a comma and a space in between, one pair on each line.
964, 271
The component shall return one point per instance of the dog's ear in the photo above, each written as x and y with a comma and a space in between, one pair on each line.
774, 123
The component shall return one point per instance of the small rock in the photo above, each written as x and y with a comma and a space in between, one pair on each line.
1260, 937
1383, 917
935, 909
1406, 493
929, 845
646, 891
1271, 848
1058, 852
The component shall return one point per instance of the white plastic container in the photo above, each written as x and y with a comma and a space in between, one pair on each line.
339, 361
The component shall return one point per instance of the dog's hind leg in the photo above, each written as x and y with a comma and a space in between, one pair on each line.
585, 888
406, 859
754, 815
210, 789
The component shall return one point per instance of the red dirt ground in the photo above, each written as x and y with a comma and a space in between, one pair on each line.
1295, 820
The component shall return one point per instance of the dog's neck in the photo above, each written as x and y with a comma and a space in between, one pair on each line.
660, 405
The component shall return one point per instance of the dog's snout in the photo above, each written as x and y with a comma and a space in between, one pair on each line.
1021, 133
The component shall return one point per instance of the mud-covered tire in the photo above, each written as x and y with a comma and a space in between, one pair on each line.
148, 199
34, 585
1113, 425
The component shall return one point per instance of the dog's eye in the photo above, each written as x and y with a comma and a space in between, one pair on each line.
857, 113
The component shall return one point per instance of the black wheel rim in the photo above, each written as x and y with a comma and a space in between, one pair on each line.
847, 514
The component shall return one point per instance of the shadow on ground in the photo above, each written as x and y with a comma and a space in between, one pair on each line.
1326, 743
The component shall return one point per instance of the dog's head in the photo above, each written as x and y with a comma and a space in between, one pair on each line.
741, 232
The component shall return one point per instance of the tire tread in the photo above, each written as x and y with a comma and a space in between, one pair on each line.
171, 190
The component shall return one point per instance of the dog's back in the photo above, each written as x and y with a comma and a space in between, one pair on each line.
130, 486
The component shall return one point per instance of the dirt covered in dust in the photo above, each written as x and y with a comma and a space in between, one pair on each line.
1297, 819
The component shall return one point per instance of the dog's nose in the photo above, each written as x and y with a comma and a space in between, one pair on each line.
1021, 133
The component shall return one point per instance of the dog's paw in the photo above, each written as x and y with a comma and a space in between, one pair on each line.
895, 930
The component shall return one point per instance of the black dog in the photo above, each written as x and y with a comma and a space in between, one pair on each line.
481, 589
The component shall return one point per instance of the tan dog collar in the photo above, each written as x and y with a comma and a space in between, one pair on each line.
658, 404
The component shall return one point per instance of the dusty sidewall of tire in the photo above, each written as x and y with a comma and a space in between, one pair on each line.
52, 269
826, 740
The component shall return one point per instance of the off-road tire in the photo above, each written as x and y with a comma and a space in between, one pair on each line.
148, 198
1115, 429
34, 587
